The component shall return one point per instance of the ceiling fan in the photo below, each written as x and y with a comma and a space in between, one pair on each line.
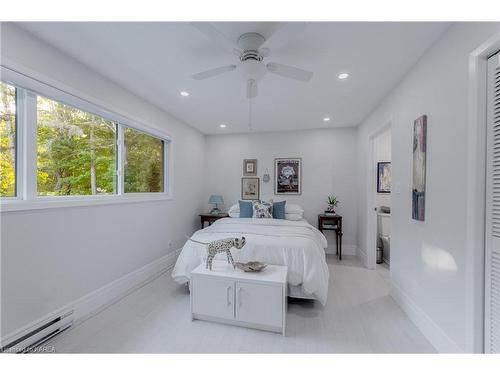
251, 49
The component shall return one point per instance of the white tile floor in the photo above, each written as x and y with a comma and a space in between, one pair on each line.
359, 317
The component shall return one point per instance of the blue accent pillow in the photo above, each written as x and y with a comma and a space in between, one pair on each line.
278, 210
246, 209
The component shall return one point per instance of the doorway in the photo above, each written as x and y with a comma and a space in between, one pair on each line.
479, 336
379, 191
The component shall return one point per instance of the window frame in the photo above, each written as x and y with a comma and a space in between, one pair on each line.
121, 161
26, 147
36, 151
18, 175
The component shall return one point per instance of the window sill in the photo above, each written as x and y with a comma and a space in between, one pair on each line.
44, 203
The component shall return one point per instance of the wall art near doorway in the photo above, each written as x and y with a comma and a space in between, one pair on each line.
384, 177
419, 166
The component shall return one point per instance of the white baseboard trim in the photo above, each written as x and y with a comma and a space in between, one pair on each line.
346, 249
349, 249
98, 300
436, 336
361, 255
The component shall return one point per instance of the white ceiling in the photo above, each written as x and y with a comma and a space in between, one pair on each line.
156, 60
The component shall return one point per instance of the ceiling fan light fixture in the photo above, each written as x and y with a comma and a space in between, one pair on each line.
326, 119
222, 126
343, 76
252, 48
184, 93
252, 69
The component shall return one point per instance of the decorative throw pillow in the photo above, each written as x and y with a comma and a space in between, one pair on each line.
279, 210
246, 209
263, 209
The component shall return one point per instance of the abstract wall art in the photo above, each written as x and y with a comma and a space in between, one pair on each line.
384, 177
419, 167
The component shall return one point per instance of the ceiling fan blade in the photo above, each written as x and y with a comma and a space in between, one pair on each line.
289, 72
251, 88
221, 39
283, 35
213, 72
264, 52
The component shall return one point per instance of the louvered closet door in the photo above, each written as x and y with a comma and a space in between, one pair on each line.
492, 266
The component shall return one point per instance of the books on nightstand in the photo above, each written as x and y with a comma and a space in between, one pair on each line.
329, 226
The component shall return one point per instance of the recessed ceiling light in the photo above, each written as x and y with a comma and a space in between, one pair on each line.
222, 126
184, 93
326, 119
343, 75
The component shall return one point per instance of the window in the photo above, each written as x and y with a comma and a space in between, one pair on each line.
8, 149
59, 150
76, 151
143, 169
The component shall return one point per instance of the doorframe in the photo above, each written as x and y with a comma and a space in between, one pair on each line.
476, 195
371, 188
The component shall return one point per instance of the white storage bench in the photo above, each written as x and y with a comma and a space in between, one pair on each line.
231, 296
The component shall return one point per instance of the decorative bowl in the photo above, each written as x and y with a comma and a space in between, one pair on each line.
251, 266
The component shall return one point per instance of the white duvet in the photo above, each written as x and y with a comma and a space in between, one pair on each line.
296, 244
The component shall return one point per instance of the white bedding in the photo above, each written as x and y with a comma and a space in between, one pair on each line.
296, 244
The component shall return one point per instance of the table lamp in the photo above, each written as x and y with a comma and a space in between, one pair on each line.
215, 199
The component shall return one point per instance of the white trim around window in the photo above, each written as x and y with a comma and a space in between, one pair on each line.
13, 204
26, 152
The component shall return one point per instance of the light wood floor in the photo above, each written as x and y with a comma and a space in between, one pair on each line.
359, 317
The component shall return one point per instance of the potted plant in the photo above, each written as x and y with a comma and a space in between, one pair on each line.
332, 204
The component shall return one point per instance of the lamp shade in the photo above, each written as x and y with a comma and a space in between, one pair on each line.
215, 199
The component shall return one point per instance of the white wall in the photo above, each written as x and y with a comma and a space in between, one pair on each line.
428, 259
328, 167
382, 152
55, 256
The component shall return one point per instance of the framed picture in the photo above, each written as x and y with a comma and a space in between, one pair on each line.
419, 167
384, 177
250, 167
250, 188
288, 176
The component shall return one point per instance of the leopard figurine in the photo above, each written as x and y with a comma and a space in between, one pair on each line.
221, 246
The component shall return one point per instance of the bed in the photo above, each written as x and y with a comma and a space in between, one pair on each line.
296, 244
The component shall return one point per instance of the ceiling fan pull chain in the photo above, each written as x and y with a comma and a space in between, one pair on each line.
250, 114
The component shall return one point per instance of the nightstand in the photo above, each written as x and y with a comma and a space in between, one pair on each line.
210, 218
332, 222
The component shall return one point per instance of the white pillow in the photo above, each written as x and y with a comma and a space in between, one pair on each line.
234, 211
235, 207
293, 217
291, 208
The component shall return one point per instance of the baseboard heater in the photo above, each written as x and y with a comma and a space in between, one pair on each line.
29, 340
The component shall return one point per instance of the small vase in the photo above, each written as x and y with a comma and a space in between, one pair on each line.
331, 208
